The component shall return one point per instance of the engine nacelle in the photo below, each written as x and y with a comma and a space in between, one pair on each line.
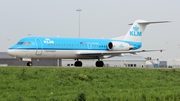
119, 46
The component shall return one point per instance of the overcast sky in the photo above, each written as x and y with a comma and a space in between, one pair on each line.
99, 18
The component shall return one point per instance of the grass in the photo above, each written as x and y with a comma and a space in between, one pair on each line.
87, 84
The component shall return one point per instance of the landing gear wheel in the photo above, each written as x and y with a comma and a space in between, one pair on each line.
78, 64
99, 63
29, 63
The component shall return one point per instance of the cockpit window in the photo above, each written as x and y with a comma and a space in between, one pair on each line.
25, 43
19, 43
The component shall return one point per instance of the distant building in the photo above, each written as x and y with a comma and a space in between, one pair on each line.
163, 64
152, 62
6, 60
121, 61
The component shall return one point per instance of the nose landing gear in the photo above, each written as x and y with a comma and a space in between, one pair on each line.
29, 63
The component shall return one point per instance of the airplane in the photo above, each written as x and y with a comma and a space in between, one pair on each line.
29, 48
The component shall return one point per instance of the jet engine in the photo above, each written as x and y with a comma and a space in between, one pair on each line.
119, 46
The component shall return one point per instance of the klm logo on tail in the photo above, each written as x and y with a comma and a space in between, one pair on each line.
135, 32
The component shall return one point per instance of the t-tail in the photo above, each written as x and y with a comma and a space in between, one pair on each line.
136, 31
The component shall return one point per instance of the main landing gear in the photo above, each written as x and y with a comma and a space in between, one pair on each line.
78, 63
98, 63
29, 63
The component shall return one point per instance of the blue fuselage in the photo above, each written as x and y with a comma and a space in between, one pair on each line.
53, 43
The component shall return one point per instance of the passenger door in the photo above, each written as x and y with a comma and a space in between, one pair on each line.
39, 46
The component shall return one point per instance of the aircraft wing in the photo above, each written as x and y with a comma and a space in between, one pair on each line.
101, 53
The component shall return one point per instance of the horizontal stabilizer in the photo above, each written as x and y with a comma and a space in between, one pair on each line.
151, 22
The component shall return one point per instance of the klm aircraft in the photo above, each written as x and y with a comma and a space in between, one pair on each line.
81, 48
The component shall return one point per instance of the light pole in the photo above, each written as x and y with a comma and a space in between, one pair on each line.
178, 52
79, 10
167, 53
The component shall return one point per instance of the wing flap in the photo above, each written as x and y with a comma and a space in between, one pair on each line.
101, 53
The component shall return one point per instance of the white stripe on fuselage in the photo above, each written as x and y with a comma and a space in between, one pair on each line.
64, 54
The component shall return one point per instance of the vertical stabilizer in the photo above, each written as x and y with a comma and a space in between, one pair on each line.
136, 31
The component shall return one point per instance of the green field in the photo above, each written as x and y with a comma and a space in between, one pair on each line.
89, 84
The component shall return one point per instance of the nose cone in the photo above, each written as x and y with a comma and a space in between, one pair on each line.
11, 52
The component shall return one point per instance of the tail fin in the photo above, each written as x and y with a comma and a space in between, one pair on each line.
136, 31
